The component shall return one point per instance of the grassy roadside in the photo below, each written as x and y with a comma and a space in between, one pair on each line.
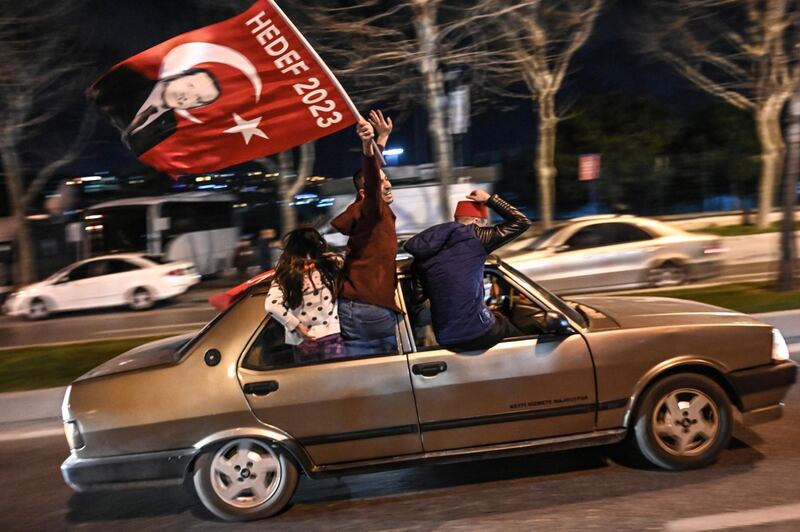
30, 368
750, 298
742, 230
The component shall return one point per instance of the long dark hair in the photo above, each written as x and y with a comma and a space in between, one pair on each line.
303, 248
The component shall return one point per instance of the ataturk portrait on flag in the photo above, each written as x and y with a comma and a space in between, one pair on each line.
231, 92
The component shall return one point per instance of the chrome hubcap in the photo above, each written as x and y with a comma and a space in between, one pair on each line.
667, 276
686, 422
245, 473
38, 309
141, 299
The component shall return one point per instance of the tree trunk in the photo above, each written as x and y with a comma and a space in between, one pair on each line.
25, 259
291, 182
545, 158
773, 150
425, 24
286, 192
788, 260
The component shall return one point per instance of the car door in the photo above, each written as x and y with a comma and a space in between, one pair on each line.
630, 248
73, 289
340, 410
122, 277
526, 388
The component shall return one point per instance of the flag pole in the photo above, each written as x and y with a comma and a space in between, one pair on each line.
328, 71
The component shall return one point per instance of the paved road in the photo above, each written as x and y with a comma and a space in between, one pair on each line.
755, 481
188, 313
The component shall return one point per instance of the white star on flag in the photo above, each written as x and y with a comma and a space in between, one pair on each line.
248, 128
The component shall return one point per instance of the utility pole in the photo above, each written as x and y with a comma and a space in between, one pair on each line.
786, 272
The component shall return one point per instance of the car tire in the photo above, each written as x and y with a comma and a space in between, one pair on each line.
245, 479
703, 429
38, 309
141, 299
670, 273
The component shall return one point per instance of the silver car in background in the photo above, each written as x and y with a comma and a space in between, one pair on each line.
613, 252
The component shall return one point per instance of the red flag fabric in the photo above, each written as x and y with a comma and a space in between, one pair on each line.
228, 93
224, 300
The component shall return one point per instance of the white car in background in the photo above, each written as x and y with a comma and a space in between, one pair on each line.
135, 280
614, 252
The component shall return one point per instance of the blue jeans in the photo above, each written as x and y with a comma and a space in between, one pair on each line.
367, 329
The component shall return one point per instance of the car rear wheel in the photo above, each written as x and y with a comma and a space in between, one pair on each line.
683, 422
38, 309
245, 479
668, 274
141, 299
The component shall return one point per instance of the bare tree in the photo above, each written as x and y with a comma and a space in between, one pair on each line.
540, 38
742, 51
38, 81
401, 52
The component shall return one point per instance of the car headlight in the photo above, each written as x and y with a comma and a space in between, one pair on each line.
74, 436
780, 351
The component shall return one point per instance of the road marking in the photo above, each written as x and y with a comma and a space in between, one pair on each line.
18, 435
758, 516
139, 329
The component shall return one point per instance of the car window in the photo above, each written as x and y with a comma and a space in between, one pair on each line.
501, 297
624, 233
270, 351
84, 271
121, 266
592, 236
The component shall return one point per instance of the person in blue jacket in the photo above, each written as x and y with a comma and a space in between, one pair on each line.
448, 262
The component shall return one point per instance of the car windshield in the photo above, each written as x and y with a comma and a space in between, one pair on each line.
553, 299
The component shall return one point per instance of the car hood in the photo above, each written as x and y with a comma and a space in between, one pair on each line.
157, 353
632, 312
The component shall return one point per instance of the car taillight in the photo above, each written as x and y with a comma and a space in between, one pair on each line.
74, 436
179, 271
715, 249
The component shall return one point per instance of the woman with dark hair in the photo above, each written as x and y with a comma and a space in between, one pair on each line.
303, 295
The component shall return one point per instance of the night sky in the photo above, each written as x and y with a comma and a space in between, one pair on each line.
117, 30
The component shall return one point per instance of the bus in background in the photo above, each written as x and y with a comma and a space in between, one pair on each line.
198, 227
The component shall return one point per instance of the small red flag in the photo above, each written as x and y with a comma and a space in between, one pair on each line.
228, 93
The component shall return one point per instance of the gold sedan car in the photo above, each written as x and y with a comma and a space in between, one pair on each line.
238, 412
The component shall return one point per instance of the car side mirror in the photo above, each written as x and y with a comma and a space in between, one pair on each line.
556, 323
561, 249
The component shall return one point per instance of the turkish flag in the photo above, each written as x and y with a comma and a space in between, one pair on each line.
228, 93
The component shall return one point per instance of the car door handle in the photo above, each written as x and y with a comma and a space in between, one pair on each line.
430, 369
261, 388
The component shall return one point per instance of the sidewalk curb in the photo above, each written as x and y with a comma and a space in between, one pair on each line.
44, 404
33, 405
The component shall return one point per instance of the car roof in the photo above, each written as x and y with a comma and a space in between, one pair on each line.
154, 200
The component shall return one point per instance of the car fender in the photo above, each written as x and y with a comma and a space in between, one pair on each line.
50, 301
266, 432
665, 256
667, 367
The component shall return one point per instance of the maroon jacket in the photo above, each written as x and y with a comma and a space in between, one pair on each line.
370, 265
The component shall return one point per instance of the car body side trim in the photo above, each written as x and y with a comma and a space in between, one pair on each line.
358, 435
573, 441
522, 416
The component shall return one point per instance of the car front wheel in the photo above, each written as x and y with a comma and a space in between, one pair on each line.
683, 422
38, 309
245, 479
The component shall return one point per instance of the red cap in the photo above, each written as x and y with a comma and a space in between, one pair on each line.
475, 209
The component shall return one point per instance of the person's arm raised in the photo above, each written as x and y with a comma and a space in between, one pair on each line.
371, 172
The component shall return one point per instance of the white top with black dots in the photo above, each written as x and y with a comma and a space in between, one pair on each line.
318, 312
